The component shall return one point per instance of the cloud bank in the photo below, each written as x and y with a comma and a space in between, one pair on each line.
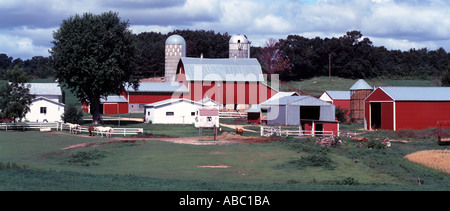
26, 27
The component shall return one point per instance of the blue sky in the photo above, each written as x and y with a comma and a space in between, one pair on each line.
26, 26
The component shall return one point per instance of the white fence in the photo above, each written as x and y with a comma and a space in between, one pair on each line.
232, 114
58, 126
291, 131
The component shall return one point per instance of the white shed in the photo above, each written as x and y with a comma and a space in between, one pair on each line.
43, 109
207, 117
172, 111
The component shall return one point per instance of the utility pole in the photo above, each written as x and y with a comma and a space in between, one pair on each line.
329, 66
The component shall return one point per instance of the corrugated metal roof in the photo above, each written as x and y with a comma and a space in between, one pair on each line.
45, 89
360, 85
339, 95
296, 100
114, 99
203, 69
170, 101
418, 93
158, 87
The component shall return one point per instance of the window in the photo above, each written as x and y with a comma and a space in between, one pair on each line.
148, 113
192, 113
170, 113
43, 110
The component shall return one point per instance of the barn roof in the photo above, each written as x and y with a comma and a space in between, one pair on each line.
45, 89
203, 69
296, 100
158, 87
339, 95
114, 99
418, 93
360, 85
257, 108
172, 101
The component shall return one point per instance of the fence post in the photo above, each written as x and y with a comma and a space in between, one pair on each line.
262, 130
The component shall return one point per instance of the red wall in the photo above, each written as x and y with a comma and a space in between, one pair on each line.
343, 104
230, 92
421, 115
408, 115
115, 108
387, 110
150, 97
387, 116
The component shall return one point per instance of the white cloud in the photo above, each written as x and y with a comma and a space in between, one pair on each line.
21, 47
396, 23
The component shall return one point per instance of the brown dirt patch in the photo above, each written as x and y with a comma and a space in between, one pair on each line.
436, 159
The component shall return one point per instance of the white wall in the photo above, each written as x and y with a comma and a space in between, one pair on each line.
182, 113
54, 111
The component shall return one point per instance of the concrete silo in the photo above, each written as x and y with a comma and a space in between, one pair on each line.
175, 49
239, 47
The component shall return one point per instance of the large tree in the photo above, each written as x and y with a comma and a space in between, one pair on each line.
15, 97
94, 56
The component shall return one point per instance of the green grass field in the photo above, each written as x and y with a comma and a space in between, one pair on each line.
32, 160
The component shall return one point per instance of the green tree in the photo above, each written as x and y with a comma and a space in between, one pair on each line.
94, 56
445, 80
72, 115
15, 97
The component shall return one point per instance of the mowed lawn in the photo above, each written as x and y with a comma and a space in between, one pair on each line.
117, 164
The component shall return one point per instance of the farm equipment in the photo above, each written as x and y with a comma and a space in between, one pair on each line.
443, 132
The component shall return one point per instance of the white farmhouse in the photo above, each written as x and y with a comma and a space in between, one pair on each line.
172, 111
45, 107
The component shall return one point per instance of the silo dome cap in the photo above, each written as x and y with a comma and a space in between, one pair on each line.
175, 40
238, 39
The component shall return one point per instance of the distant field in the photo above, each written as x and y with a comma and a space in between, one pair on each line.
317, 85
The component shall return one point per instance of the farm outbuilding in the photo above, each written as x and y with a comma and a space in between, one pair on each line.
254, 114
305, 111
234, 83
207, 117
114, 105
358, 92
396, 108
172, 111
338, 98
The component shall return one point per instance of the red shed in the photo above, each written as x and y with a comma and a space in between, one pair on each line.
338, 98
114, 105
396, 108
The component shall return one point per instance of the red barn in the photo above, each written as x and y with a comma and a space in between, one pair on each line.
396, 108
233, 83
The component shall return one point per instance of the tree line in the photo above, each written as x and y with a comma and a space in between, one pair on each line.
293, 58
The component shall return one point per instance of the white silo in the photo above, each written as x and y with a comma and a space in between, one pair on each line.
239, 47
175, 49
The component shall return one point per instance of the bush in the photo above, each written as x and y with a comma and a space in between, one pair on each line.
375, 144
72, 115
342, 114
320, 160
